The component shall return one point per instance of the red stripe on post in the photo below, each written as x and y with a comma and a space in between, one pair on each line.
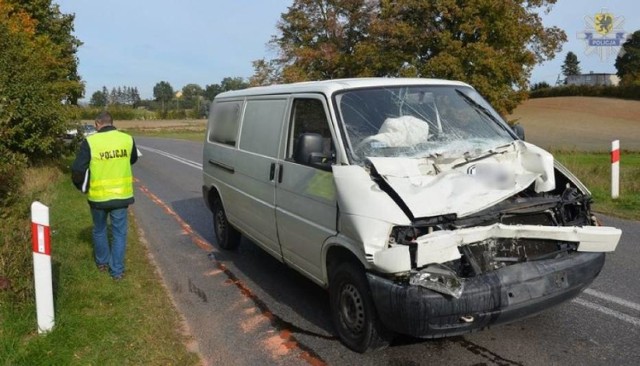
615, 156
41, 238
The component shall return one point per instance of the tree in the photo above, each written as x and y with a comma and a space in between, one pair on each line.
58, 28
135, 97
210, 91
163, 92
235, 83
192, 92
265, 73
318, 39
628, 61
34, 79
491, 44
99, 99
571, 65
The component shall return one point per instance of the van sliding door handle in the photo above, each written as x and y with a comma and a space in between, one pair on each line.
281, 168
222, 166
272, 171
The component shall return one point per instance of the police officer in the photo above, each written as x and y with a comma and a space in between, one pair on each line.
102, 170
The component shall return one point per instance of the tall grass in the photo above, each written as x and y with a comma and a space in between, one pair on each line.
98, 321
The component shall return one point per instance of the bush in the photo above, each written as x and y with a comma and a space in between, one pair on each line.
11, 169
622, 92
123, 113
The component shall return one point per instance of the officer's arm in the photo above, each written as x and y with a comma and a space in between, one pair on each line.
80, 165
134, 153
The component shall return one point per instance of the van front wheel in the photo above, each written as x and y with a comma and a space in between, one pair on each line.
226, 235
353, 312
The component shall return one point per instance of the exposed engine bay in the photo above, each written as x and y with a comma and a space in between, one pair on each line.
530, 225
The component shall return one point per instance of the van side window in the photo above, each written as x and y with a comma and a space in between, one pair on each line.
225, 119
262, 126
309, 121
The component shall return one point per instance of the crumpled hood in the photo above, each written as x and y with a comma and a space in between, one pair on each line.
432, 187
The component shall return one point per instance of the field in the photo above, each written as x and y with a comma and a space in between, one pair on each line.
580, 123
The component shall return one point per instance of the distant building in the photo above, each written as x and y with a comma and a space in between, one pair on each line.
593, 79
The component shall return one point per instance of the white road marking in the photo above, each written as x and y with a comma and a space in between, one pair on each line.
613, 299
605, 310
177, 158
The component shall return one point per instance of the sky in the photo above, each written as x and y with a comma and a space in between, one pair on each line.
140, 43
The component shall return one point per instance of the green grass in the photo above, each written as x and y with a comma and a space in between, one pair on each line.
182, 134
97, 321
594, 170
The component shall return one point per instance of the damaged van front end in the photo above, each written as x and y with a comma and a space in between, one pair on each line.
461, 229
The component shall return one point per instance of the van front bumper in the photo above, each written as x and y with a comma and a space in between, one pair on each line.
493, 298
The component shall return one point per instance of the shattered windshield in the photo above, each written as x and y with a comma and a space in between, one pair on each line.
419, 121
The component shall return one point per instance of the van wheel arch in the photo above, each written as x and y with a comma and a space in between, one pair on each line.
353, 312
227, 236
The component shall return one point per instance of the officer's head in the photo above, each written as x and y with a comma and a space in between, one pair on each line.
104, 119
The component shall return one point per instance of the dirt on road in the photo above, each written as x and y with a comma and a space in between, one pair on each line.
580, 123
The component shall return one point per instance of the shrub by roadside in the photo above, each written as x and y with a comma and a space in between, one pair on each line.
623, 92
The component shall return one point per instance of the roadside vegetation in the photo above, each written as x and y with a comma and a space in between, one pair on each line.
98, 321
196, 135
594, 170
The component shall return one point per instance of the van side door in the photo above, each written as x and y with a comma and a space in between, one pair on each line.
255, 167
306, 207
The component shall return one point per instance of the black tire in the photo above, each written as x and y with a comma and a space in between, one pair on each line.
226, 235
353, 313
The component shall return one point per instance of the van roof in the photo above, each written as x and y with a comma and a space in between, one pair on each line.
330, 86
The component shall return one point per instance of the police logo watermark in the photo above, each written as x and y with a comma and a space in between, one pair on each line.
603, 35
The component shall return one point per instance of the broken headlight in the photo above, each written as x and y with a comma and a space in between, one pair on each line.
438, 278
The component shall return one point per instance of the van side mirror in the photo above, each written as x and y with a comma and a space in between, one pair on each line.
310, 151
519, 131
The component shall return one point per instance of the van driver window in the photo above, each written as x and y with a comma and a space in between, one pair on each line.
309, 117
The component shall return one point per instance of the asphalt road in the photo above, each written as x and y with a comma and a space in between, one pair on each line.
246, 308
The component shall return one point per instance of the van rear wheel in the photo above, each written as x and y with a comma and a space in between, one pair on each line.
226, 235
352, 310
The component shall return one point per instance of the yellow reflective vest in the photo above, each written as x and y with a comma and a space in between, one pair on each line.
110, 175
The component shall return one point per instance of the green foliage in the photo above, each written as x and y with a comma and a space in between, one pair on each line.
98, 321
622, 92
33, 82
122, 113
99, 99
540, 85
125, 95
163, 91
491, 44
227, 84
628, 61
11, 168
192, 92
57, 28
265, 73
571, 65
210, 91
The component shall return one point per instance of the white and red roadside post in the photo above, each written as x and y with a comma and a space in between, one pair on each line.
615, 169
41, 238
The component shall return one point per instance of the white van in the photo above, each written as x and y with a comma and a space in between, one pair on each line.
410, 200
